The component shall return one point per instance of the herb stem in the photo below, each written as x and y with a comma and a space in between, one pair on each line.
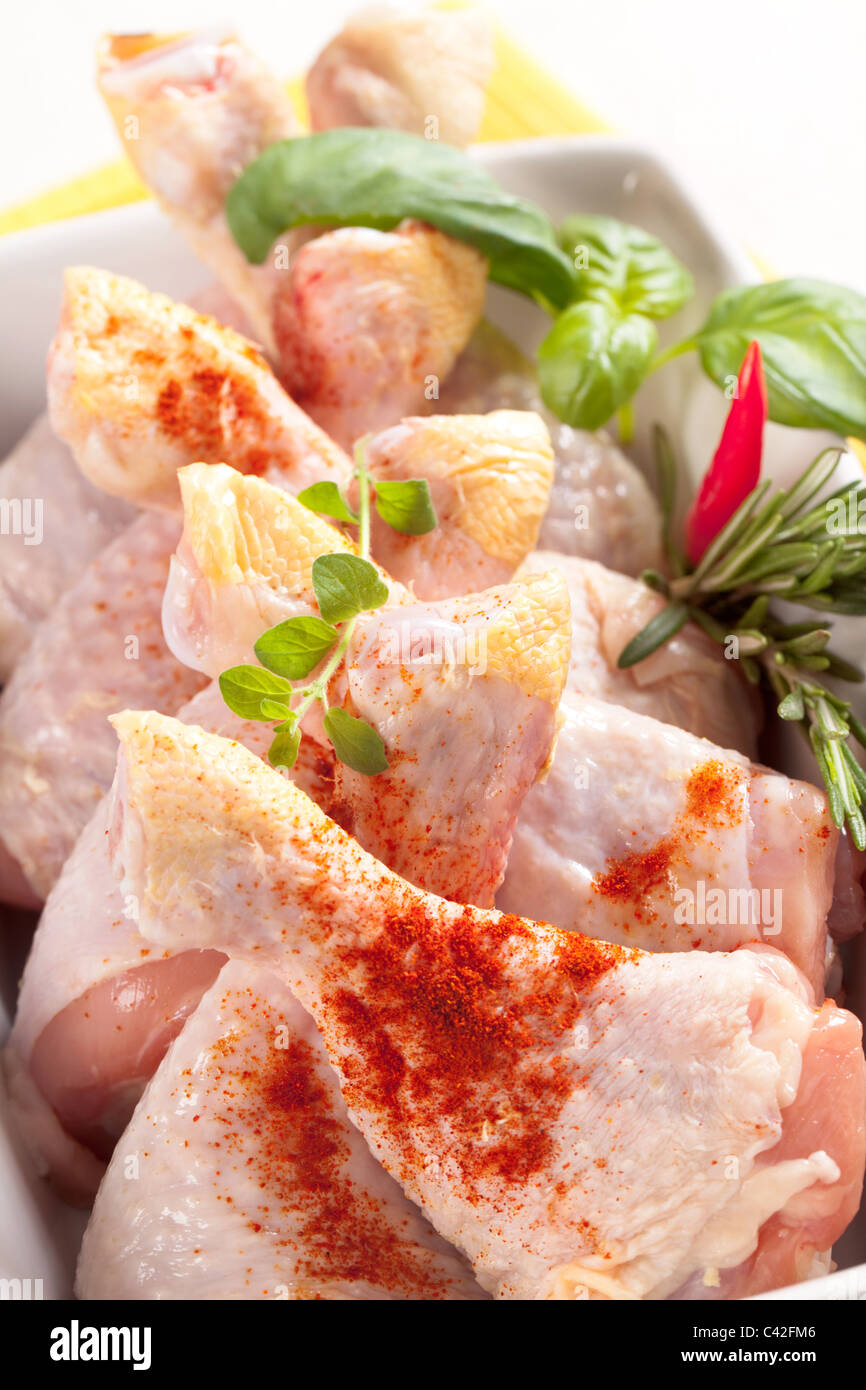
668, 355
363, 497
625, 422
318, 689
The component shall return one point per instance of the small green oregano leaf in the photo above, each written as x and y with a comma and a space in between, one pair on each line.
327, 498
406, 505
283, 751
295, 647
346, 585
244, 687
356, 743
275, 709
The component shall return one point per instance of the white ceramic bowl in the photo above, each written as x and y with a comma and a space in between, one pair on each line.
601, 174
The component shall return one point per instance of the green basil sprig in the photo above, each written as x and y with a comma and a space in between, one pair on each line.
602, 346
369, 177
607, 281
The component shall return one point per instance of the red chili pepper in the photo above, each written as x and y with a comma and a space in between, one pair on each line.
736, 465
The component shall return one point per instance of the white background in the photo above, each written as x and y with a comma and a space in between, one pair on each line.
761, 102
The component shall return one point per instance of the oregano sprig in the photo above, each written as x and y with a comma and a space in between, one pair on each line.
780, 544
345, 585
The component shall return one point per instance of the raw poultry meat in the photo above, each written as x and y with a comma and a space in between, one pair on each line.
246, 554
139, 385
687, 682
191, 111
424, 71
489, 478
443, 813
75, 519
208, 108
480, 676
244, 563
127, 442
168, 386
601, 507
258, 544
244, 1145
544, 1071
100, 648
491, 664
371, 322
96, 1008
645, 835
57, 522
487, 669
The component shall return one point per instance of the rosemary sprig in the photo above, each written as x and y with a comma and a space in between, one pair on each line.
345, 586
779, 544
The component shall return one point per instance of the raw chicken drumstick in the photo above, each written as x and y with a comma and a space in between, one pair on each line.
243, 1144
601, 507
537, 1093
245, 558
643, 834
404, 68
370, 323
444, 812
139, 385
687, 682
66, 522
192, 113
102, 642
75, 521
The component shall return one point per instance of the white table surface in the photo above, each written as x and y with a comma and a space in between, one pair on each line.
761, 102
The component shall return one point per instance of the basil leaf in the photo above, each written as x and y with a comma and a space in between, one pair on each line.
243, 688
406, 505
327, 499
346, 585
368, 177
295, 647
592, 361
283, 751
813, 343
636, 270
356, 743
658, 630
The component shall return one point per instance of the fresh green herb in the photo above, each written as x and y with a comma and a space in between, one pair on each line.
405, 505
784, 544
245, 687
602, 346
356, 743
592, 361
624, 265
286, 744
294, 648
328, 499
345, 586
371, 177
604, 281
813, 341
